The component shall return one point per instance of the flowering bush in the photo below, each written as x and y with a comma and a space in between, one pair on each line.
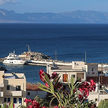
32, 104
67, 95
70, 95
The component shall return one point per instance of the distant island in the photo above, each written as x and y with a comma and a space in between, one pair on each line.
74, 17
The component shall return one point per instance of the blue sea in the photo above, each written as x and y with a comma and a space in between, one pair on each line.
65, 42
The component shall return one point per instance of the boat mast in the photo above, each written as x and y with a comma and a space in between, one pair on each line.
55, 55
14, 51
29, 50
85, 57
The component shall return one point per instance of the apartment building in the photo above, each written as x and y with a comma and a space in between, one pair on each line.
12, 88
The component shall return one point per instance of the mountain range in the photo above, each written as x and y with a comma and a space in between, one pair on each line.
74, 17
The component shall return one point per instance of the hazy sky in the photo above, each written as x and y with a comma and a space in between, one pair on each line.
22, 6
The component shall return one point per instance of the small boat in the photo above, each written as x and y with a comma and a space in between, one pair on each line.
12, 58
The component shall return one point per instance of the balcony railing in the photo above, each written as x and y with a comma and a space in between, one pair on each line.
1, 94
16, 93
1, 85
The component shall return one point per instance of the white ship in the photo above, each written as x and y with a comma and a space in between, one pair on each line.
12, 58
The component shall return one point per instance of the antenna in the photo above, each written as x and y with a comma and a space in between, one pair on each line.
85, 57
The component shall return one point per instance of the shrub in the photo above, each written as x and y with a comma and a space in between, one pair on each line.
103, 104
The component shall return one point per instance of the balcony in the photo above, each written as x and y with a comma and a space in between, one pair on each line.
1, 94
16, 93
1, 85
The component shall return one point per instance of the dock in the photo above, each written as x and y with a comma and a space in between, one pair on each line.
1, 59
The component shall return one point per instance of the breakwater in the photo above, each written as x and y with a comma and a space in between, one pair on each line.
1, 59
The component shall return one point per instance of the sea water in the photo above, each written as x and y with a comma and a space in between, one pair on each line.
66, 42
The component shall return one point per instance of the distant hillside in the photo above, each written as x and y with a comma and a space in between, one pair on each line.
67, 17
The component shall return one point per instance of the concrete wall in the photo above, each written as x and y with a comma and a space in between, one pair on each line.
33, 94
78, 65
92, 69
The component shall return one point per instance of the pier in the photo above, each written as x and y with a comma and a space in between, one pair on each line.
1, 59
46, 62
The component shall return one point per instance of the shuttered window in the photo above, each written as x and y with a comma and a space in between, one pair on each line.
65, 77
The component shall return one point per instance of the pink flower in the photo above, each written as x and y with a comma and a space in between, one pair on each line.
74, 90
46, 84
42, 76
55, 106
80, 97
92, 82
35, 103
54, 75
27, 101
85, 88
92, 85
43, 107
80, 90
30, 106
32, 103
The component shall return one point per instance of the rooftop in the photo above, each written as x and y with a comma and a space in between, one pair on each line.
32, 87
14, 75
68, 68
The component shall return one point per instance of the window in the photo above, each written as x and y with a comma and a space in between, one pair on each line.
20, 100
65, 77
80, 76
14, 100
28, 93
8, 99
8, 87
18, 88
4, 99
92, 69
96, 99
73, 76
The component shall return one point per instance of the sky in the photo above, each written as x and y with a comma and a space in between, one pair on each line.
56, 6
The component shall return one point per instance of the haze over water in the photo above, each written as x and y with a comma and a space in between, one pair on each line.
68, 41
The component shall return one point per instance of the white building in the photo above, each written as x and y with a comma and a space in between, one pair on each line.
92, 69
12, 87
77, 70
98, 95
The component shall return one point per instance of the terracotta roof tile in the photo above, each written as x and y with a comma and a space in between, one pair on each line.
32, 87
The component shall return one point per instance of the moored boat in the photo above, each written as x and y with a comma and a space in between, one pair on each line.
12, 58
